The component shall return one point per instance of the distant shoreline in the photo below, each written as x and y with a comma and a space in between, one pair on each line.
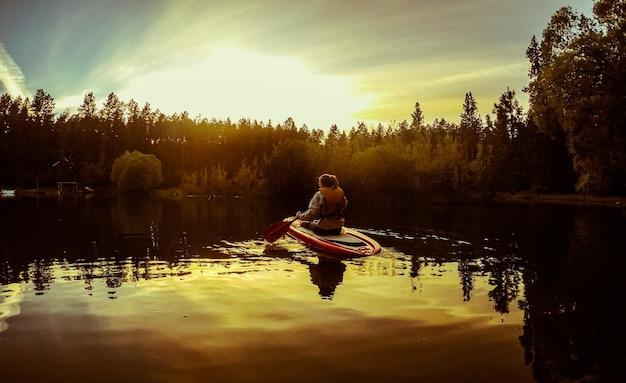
618, 202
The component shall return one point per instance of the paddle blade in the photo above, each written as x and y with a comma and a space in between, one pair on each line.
276, 230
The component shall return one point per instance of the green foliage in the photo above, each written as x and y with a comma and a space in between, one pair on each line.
215, 181
247, 180
92, 175
214, 157
470, 128
136, 172
577, 92
382, 171
289, 170
196, 182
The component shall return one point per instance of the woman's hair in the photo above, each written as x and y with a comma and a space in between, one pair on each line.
329, 180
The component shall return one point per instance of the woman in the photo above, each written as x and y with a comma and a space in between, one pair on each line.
325, 213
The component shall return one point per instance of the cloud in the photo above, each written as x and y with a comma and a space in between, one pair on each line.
234, 83
11, 76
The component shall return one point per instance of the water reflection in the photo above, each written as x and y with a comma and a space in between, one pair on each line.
561, 268
574, 304
327, 274
11, 297
326, 271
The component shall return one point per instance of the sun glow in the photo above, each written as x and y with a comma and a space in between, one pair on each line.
231, 83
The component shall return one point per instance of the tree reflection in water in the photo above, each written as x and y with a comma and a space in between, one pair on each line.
567, 273
574, 307
41, 275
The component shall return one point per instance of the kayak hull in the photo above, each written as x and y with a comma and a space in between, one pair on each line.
350, 243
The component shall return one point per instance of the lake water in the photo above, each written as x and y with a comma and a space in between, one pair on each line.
155, 290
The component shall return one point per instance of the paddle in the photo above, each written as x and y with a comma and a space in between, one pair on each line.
276, 230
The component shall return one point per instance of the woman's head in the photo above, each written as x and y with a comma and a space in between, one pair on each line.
328, 180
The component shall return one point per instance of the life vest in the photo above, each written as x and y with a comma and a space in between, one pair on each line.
335, 201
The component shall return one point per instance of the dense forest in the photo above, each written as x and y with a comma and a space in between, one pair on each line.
571, 140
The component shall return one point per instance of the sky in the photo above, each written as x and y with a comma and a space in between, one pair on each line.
319, 62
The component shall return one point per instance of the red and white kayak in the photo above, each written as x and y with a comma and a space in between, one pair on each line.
350, 243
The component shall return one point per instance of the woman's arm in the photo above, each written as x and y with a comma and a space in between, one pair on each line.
315, 207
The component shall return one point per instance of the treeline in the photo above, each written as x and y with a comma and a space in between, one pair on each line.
204, 156
571, 140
